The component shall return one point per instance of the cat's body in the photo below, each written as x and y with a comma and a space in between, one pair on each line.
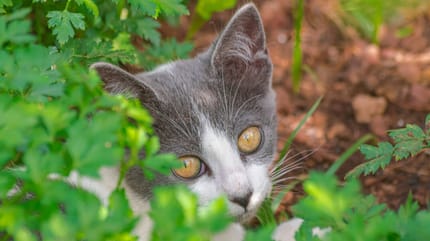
216, 111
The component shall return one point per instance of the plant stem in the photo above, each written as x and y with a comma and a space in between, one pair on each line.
67, 5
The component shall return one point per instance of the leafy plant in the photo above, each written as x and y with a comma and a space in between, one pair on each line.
369, 15
408, 142
204, 11
176, 216
56, 119
345, 214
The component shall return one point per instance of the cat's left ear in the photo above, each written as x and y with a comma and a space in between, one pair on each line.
118, 81
242, 46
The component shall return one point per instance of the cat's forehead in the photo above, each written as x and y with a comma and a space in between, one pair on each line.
185, 80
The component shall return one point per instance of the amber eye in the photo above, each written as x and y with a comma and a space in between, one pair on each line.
192, 167
249, 140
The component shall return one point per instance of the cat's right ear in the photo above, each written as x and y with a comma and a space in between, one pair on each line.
118, 81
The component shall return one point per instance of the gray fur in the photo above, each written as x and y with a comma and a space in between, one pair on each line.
229, 84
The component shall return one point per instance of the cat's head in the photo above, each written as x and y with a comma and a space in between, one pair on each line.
216, 111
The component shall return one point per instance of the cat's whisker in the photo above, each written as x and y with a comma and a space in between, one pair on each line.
282, 180
280, 168
284, 159
290, 169
286, 169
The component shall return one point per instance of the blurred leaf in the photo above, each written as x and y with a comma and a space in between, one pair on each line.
205, 8
63, 24
90, 5
296, 66
175, 216
15, 29
404, 32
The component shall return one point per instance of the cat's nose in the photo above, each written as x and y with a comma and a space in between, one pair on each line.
242, 200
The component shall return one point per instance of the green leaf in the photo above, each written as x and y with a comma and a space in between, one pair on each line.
176, 217
296, 68
14, 28
90, 5
205, 8
5, 3
378, 157
171, 7
326, 203
409, 141
63, 24
161, 163
148, 7
147, 28
168, 50
264, 233
93, 144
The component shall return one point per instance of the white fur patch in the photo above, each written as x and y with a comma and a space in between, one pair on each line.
230, 175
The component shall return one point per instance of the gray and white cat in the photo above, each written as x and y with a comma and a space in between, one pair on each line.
217, 113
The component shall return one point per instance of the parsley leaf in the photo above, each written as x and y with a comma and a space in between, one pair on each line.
63, 24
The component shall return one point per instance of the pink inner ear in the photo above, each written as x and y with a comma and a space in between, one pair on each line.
242, 38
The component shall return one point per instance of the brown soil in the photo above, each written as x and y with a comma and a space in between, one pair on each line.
367, 88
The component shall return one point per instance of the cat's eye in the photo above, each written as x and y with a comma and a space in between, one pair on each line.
249, 140
192, 167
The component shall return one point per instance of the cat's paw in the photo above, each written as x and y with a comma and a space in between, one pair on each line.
286, 230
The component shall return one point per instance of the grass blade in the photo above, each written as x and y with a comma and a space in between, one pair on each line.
296, 130
348, 153
296, 66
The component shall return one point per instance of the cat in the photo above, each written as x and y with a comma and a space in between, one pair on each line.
217, 113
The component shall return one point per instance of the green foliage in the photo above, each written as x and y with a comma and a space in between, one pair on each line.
296, 66
352, 216
204, 11
86, 31
56, 119
176, 217
63, 24
408, 142
369, 15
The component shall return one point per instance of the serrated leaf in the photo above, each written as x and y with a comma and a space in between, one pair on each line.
148, 7
407, 133
154, 7
63, 24
172, 7
377, 156
90, 5
408, 148
147, 28
161, 163
15, 29
93, 144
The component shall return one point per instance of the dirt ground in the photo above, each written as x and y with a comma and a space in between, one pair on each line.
367, 88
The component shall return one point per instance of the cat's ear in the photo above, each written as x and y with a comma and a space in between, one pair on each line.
118, 81
241, 45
